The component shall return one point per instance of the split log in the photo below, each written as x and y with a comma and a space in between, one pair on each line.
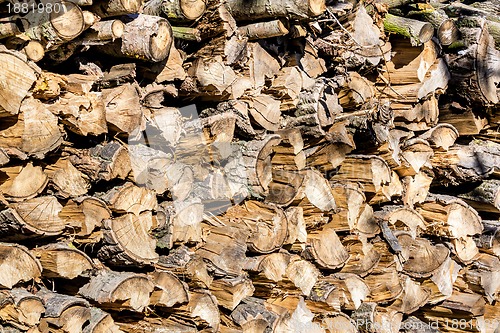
20, 308
202, 308
82, 114
325, 248
61, 260
37, 217
35, 133
66, 180
229, 292
62, 312
169, 290
119, 290
130, 198
183, 262
363, 257
488, 241
84, 214
151, 44
101, 322
127, 240
105, 161
402, 219
23, 182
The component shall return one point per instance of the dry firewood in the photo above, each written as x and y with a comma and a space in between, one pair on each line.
324, 248
363, 257
123, 111
63, 313
115, 7
265, 225
151, 44
296, 226
35, 133
171, 68
19, 265
301, 317
21, 75
485, 197
33, 49
446, 29
452, 218
105, 161
202, 309
350, 201
244, 11
119, 290
357, 91
465, 120
62, 260
129, 198
420, 116
175, 11
340, 291
66, 180
257, 162
253, 316
127, 240
441, 137
20, 308
152, 324
421, 258
459, 305
84, 214
230, 291
37, 217
402, 218
101, 322
23, 182
371, 171
183, 262
482, 277
82, 114
373, 317
413, 297
169, 290
224, 249
466, 163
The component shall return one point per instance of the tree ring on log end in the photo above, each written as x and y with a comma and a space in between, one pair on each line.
68, 21
192, 9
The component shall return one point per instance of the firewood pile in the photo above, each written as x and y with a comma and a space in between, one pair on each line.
249, 166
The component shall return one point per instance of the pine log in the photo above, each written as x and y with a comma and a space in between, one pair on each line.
246, 11
119, 290
63, 260
20, 308
151, 44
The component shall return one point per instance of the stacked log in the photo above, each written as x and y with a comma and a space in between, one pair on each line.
249, 166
